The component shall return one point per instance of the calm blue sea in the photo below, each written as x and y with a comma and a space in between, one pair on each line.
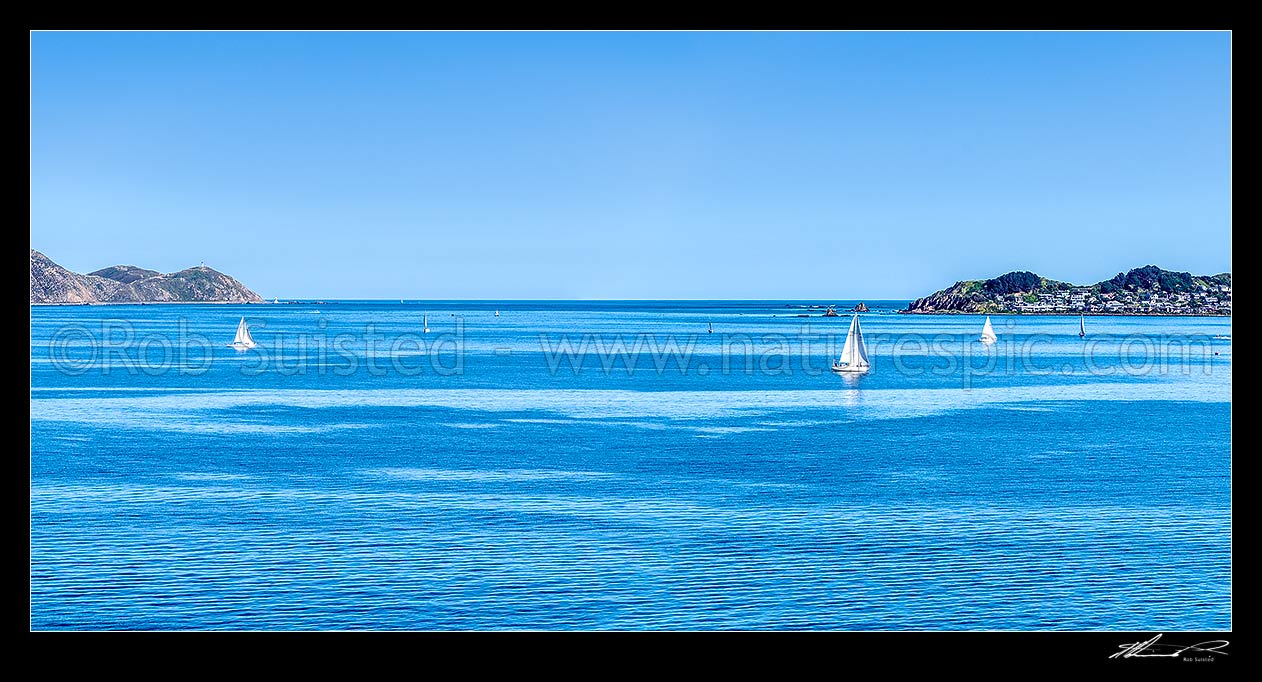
354, 473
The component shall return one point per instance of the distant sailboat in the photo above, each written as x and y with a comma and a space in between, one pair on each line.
711, 328
425, 321
854, 356
243, 341
275, 300
988, 332
497, 313
1082, 326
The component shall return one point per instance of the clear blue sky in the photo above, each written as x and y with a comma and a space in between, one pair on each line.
637, 165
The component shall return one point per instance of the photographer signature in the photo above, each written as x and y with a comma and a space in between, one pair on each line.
1152, 649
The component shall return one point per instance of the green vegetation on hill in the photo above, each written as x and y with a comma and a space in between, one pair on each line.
1148, 277
1011, 283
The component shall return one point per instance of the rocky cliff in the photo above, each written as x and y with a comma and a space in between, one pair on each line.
51, 283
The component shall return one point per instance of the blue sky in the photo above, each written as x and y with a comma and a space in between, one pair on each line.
631, 165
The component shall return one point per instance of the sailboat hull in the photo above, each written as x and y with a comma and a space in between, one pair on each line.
847, 369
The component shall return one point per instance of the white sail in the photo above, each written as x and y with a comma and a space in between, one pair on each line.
243, 338
1082, 326
854, 355
988, 332
425, 322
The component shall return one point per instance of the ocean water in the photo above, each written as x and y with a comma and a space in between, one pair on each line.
354, 473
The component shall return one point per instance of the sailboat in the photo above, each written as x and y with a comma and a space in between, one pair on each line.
1082, 326
988, 332
275, 300
854, 356
425, 321
243, 341
711, 328
497, 313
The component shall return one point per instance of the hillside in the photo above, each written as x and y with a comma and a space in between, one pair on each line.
1149, 290
51, 283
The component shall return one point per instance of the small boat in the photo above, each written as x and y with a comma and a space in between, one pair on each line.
425, 321
275, 300
831, 312
1082, 326
497, 313
711, 328
243, 340
988, 333
854, 356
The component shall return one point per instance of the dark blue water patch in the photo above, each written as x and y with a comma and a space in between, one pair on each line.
391, 563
